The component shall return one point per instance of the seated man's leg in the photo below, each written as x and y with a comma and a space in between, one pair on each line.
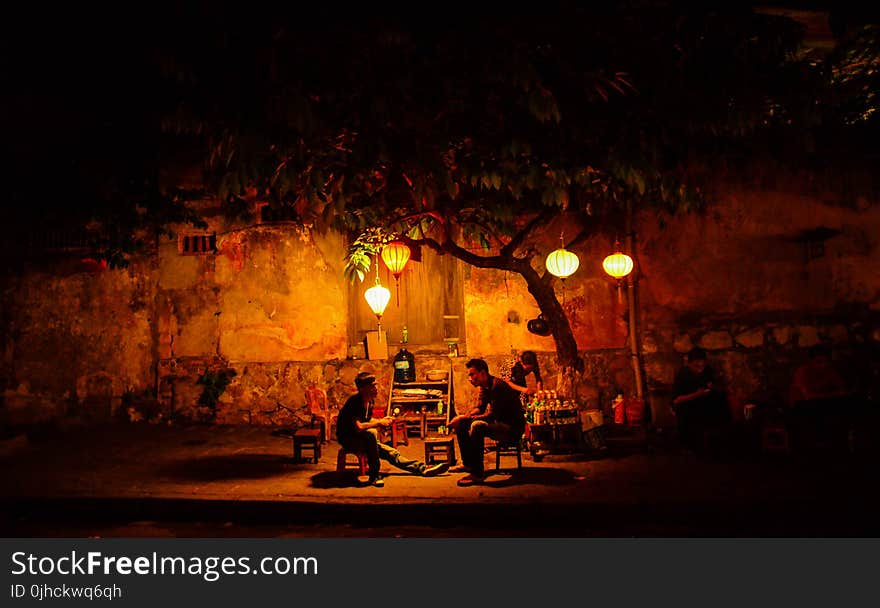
503, 433
685, 424
365, 442
477, 433
720, 409
391, 455
465, 445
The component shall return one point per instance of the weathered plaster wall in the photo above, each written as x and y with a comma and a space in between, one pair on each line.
735, 280
282, 296
744, 256
271, 293
271, 305
77, 343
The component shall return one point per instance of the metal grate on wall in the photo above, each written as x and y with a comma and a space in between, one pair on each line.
197, 244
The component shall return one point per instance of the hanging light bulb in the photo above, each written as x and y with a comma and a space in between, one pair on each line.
562, 263
395, 255
377, 298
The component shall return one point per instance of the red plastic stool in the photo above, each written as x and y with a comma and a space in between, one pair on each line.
342, 462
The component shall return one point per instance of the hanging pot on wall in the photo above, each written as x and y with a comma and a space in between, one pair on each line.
539, 326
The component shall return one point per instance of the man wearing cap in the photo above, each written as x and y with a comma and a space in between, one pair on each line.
356, 432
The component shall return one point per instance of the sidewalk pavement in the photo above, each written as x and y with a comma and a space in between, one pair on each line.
247, 474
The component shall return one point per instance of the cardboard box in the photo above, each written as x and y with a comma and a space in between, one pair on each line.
376, 345
591, 419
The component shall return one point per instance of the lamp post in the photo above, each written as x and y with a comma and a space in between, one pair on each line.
562, 263
377, 297
619, 265
395, 255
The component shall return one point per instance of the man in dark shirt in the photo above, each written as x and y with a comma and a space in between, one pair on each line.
696, 400
356, 431
498, 415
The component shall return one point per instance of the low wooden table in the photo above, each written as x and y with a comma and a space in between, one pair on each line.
440, 449
308, 439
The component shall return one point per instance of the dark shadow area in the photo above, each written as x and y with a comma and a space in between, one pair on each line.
334, 479
232, 466
543, 476
846, 517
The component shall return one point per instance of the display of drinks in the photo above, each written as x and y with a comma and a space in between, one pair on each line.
548, 407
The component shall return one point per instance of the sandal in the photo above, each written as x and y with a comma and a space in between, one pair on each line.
470, 480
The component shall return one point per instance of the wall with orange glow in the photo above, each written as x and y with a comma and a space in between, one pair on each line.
272, 305
77, 343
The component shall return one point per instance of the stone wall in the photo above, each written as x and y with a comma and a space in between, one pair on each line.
755, 280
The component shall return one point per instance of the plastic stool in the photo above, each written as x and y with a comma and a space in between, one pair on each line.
774, 437
309, 439
342, 462
508, 449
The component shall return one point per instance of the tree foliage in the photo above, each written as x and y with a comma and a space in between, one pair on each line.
469, 130
477, 129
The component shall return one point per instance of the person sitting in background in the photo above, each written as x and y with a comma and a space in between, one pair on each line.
817, 397
697, 402
356, 432
817, 378
498, 415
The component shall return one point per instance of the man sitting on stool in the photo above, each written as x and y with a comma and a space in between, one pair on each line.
356, 433
697, 403
498, 415
819, 400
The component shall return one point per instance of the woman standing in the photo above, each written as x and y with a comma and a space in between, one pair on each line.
527, 364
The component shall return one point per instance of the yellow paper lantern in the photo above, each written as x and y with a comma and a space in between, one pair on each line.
618, 265
562, 263
395, 255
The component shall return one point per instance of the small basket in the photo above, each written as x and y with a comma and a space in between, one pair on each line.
436, 375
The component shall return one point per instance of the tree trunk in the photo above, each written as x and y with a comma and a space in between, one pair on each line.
544, 294
541, 288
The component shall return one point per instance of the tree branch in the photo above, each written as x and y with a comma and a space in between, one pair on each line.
580, 238
519, 237
499, 262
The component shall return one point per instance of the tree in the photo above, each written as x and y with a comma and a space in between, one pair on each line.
480, 126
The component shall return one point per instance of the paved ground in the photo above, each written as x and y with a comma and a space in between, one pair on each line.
202, 481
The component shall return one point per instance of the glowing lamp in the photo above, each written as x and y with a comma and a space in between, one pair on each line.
562, 263
395, 255
618, 265
377, 297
